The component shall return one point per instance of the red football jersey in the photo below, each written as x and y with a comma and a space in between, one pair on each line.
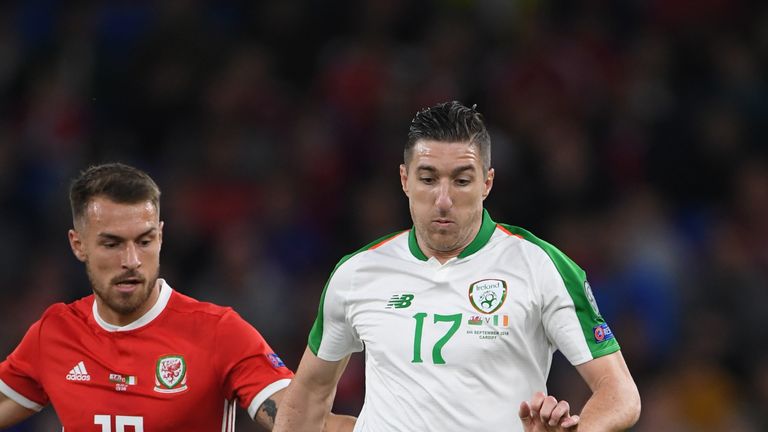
178, 368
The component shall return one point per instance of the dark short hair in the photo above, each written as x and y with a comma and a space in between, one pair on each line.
450, 122
118, 182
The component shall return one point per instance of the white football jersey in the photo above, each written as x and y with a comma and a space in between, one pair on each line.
457, 346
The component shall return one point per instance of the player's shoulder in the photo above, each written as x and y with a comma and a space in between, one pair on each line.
60, 315
78, 309
392, 243
198, 317
188, 311
536, 246
523, 236
187, 305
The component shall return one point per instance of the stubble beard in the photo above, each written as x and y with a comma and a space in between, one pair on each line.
123, 303
447, 240
441, 240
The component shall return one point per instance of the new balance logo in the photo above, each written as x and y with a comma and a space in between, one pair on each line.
78, 373
400, 301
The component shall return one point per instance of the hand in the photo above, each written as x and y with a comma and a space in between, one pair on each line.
545, 414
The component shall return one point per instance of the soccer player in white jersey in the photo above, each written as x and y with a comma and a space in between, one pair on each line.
137, 355
459, 316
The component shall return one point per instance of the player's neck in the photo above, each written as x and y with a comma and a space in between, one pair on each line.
443, 256
116, 318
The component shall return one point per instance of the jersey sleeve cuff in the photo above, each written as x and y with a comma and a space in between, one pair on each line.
18, 398
265, 393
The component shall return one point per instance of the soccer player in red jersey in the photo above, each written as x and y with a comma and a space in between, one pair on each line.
137, 355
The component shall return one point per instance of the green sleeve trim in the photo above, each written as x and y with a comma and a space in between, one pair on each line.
575, 280
316, 333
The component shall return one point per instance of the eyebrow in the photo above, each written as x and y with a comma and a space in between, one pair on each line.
115, 237
456, 171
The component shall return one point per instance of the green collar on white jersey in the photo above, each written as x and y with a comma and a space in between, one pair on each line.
486, 230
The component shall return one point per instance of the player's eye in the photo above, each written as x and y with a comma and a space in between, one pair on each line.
427, 180
463, 181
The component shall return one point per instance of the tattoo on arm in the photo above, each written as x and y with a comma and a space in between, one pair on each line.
269, 408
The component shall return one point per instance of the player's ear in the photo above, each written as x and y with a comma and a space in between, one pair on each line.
488, 182
160, 233
76, 243
404, 178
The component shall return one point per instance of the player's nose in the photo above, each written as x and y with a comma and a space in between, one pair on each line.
443, 200
131, 257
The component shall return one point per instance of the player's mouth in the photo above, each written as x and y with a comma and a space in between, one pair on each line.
442, 222
128, 284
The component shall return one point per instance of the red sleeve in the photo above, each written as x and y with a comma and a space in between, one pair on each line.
19, 379
252, 371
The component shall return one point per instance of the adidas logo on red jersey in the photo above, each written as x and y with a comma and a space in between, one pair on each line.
78, 373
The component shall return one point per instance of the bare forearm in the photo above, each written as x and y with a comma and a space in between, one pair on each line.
303, 410
11, 412
614, 406
339, 423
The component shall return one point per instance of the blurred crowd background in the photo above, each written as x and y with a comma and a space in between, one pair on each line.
631, 134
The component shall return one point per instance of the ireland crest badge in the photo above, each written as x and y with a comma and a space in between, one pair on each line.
171, 374
488, 295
